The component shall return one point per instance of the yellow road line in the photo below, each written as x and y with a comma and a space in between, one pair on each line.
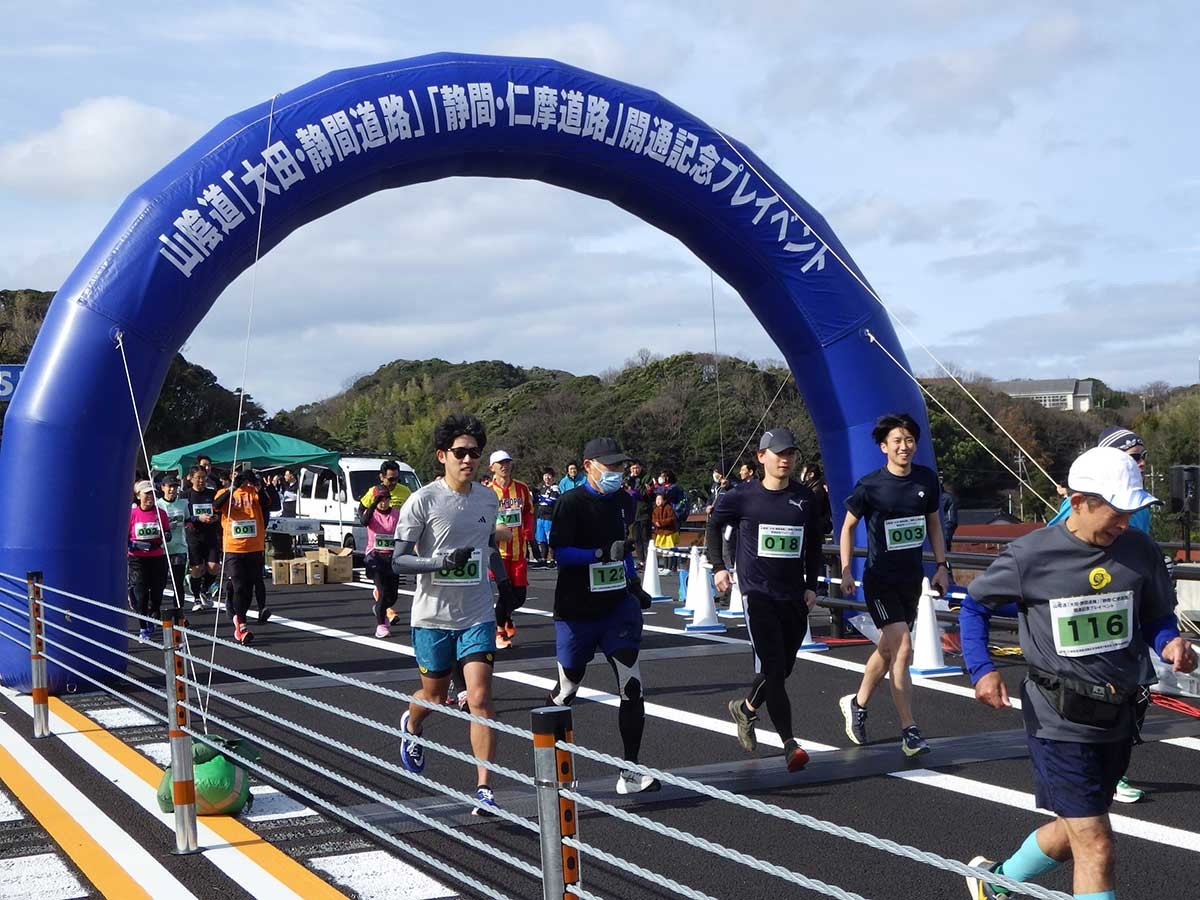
268, 857
93, 860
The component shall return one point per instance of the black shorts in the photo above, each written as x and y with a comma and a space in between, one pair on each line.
891, 600
204, 545
777, 629
1076, 780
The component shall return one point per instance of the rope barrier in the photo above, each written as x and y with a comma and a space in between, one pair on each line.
99, 665
105, 647
128, 701
625, 865
462, 837
122, 632
693, 840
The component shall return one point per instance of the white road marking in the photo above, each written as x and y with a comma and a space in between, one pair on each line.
1190, 743
271, 805
141, 866
159, 751
115, 717
9, 811
378, 875
42, 876
1159, 834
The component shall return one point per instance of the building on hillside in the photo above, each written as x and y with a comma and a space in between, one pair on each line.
1068, 394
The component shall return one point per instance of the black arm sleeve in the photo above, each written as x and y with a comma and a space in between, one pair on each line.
364, 515
724, 513
406, 562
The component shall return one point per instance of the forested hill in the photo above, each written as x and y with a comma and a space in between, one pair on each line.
192, 405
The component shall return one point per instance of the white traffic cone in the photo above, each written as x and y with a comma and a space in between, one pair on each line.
702, 600
651, 581
809, 644
695, 582
736, 610
927, 639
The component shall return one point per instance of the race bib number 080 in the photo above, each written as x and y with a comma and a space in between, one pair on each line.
244, 528
905, 533
606, 576
780, 541
469, 572
1097, 623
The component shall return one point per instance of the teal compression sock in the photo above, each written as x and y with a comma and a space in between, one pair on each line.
1028, 862
1099, 895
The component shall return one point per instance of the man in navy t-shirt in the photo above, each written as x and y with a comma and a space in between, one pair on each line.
900, 505
777, 523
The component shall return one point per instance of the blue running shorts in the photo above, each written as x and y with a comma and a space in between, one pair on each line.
576, 640
437, 649
1077, 780
542, 531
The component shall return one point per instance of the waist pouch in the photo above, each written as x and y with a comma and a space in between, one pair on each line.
1083, 702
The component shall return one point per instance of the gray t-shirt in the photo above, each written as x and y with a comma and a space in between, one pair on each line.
1082, 608
437, 519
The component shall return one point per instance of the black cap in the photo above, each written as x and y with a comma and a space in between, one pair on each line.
605, 450
777, 440
170, 479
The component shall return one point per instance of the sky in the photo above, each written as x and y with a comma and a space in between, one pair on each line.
1019, 181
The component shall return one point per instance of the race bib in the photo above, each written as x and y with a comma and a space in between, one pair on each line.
202, 509
509, 518
471, 572
780, 541
244, 528
606, 576
906, 533
146, 531
385, 542
1096, 623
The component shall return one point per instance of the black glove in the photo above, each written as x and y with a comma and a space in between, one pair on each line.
457, 558
617, 551
638, 591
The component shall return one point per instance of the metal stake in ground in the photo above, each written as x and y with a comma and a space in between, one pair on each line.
183, 784
555, 769
37, 661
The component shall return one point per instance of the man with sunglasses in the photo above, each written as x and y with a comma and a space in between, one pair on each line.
444, 537
389, 477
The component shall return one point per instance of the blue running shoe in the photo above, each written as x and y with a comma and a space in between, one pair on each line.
412, 754
912, 743
484, 796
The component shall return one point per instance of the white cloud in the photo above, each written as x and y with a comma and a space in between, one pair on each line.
100, 149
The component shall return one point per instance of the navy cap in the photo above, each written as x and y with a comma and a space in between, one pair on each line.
605, 450
777, 440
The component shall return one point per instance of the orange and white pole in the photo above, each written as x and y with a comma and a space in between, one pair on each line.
37, 659
554, 769
182, 775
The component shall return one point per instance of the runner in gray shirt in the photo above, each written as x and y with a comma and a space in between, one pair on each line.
444, 537
1094, 599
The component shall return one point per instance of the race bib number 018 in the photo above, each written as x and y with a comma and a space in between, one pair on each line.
385, 542
509, 518
608, 576
244, 528
906, 533
146, 531
780, 541
469, 572
1097, 623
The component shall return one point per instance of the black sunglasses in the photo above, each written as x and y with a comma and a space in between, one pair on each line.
1138, 457
461, 452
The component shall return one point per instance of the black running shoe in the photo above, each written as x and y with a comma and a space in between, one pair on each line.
856, 719
912, 743
263, 615
745, 723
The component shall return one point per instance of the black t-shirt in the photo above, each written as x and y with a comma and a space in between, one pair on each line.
779, 538
589, 521
204, 500
894, 509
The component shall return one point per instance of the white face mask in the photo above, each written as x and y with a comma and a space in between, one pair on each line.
661, 480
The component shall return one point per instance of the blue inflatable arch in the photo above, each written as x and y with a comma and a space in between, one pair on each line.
184, 235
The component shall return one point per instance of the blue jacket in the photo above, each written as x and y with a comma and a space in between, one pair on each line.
1139, 520
566, 483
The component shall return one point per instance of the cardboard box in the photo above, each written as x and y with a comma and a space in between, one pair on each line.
281, 571
298, 571
315, 571
339, 564
314, 554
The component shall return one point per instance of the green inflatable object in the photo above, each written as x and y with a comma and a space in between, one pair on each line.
222, 786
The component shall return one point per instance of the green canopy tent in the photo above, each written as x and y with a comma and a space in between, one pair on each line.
258, 448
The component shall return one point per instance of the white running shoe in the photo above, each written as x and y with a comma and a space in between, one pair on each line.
630, 782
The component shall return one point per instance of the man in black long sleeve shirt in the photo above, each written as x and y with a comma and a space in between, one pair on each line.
778, 560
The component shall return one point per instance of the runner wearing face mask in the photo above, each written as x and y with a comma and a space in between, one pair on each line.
598, 601
149, 531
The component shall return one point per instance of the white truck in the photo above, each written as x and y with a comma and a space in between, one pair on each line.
331, 497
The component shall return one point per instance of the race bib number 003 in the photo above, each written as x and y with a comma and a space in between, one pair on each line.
385, 542
608, 576
780, 541
509, 518
244, 528
146, 531
906, 533
1097, 623
469, 572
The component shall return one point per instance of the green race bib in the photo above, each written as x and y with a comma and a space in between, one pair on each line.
146, 531
470, 572
608, 576
780, 541
905, 533
1097, 623
244, 528
509, 518
202, 509
384, 542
